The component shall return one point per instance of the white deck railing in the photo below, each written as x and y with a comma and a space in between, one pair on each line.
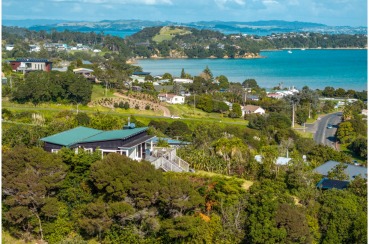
168, 160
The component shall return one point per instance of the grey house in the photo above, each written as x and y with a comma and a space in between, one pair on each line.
352, 170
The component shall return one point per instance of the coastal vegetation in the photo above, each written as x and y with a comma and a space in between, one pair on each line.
173, 42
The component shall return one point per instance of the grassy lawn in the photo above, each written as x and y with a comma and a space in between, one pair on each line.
343, 148
167, 33
187, 112
98, 91
304, 134
246, 184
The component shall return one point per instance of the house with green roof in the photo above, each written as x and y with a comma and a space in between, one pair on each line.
132, 142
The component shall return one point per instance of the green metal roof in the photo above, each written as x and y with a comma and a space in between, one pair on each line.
83, 134
115, 134
70, 137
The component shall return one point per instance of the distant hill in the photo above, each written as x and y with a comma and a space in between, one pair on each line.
262, 28
26, 23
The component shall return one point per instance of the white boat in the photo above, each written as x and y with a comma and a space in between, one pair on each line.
289, 51
303, 49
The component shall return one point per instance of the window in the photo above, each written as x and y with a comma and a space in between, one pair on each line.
139, 151
55, 150
90, 150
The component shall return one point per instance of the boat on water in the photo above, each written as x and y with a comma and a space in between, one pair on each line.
303, 49
289, 51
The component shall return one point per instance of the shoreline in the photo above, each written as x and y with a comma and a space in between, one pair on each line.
315, 48
134, 60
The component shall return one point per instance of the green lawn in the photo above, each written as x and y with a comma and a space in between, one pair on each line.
98, 91
191, 113
167, 33
304, 134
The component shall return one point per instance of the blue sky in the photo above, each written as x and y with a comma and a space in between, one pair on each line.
329, 12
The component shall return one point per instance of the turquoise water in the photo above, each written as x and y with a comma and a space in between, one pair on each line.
315, 68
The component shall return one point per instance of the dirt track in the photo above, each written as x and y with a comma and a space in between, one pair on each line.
165, 110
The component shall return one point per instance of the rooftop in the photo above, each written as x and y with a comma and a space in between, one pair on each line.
83, 134
352, 170
31, 60
326, 184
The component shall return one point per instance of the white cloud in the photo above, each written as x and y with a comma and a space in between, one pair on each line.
146, 2
225, 3
269, 2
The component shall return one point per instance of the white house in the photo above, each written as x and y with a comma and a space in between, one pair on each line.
278, 161
252, 109
185, 81
9, 47
171, 98
137, 78
34, 48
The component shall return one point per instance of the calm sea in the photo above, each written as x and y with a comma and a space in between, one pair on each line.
315, 68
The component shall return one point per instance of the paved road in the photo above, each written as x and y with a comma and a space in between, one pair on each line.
326, 136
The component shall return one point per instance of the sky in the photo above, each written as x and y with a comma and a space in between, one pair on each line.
329, 12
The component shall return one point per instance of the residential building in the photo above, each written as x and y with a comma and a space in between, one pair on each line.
351, 171
141, 73
171, 142
252, 109
30, 64
252, 97
87, 73
278, 161
132, 142
171, 98
137, 78
185, 81
34, 48
327, 184
9, 47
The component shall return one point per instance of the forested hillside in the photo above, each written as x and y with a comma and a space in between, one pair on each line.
69, 197
182, 42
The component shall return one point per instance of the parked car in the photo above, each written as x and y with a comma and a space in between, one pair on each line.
329, 126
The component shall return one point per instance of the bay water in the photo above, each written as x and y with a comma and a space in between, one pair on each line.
316, 68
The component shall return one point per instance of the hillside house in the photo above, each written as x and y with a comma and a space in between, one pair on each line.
87, 73
9, 47
34, 48
279, 161
252, 109
327, 184
171, 98
351, 171
183, 81
30, 64
132, 142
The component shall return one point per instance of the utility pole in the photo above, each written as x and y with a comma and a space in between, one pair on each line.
194, 102
309, 110
293, 114
106, 88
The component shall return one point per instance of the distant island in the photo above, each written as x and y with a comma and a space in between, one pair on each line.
186, 42
261, 28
